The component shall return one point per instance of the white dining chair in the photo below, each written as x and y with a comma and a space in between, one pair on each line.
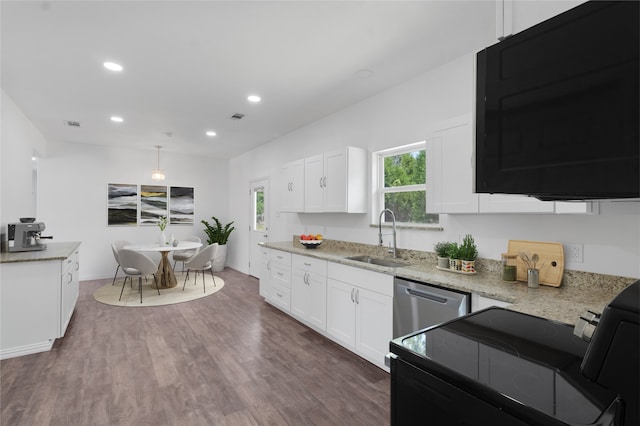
200, 263
116, 246
184, 255
136, 264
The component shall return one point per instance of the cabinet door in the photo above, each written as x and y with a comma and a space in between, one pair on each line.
265, 273
292, 187
69, 290
300, 294
314, 178
346, 180
335, 181
317, 312
449, 156
374, 323
341, 312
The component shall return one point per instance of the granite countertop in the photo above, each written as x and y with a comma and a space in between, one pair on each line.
563, 304
54, 251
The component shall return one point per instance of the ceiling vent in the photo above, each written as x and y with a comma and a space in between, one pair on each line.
236, 116
72, 123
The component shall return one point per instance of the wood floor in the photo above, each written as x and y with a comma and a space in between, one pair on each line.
226, 359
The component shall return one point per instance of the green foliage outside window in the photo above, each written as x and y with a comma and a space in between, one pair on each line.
406, 170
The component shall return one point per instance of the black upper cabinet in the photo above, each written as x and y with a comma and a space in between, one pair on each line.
558, 107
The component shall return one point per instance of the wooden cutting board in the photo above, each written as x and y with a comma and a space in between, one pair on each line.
550, 263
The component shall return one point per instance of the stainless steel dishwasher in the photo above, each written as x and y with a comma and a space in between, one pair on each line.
417, 305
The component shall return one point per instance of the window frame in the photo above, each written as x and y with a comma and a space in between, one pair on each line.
379, 189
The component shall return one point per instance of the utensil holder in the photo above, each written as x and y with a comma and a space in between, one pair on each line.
533, 278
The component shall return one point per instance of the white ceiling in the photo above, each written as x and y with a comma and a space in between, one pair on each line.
189, 65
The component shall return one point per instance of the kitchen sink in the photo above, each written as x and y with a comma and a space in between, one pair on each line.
390, 263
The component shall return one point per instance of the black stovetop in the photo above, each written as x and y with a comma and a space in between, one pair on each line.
506, 354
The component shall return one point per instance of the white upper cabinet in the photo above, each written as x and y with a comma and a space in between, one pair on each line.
450, 178
501, 203
292, 187
449, 153
336, 181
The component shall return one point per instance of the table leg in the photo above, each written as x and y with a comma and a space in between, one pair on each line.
165, 277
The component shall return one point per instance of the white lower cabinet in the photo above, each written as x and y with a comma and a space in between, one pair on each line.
265, 272
309, 291
69, 289
38, 299
351, 306
280, 280
360, 311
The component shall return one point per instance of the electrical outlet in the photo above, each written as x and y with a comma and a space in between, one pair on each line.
573, 252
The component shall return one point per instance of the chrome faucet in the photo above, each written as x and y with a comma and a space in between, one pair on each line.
380, 234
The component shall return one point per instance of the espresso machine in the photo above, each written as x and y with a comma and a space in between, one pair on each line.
26, 236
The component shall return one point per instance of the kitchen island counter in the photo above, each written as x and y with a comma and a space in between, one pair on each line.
564, 304
54, 251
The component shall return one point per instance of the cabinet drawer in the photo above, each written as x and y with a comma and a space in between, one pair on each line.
374, 281
281, 296
281, 257
70, 264
310, 264
281, 275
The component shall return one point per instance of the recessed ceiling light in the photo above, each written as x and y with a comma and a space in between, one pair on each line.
117, 119
211, 133
113, 66
253, 98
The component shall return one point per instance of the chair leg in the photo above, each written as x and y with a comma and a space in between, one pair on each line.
140, 287
156, 281
123, 284
212, 276
185, 280
175, 262
114, 277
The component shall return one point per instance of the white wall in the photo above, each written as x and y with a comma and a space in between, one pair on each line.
72, 196
20, 140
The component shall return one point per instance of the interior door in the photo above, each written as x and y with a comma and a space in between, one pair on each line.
259, 222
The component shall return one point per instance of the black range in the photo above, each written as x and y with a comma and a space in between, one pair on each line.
502, 367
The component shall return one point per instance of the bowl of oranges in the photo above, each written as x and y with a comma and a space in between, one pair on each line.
311, 241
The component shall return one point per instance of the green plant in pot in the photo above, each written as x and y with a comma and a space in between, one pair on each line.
218, 234
454, 257
442, 252
468, 252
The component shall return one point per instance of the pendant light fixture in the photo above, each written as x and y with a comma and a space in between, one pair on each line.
158, 174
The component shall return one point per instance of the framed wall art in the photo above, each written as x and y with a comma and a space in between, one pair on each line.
181, 205
122, 204
153, 204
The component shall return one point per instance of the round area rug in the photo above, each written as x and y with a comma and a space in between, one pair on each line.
109, 294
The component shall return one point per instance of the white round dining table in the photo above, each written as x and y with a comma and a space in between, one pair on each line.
165, 277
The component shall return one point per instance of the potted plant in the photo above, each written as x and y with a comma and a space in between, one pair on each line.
454, 257
162, 224
468, 252
218, 234
442, 252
